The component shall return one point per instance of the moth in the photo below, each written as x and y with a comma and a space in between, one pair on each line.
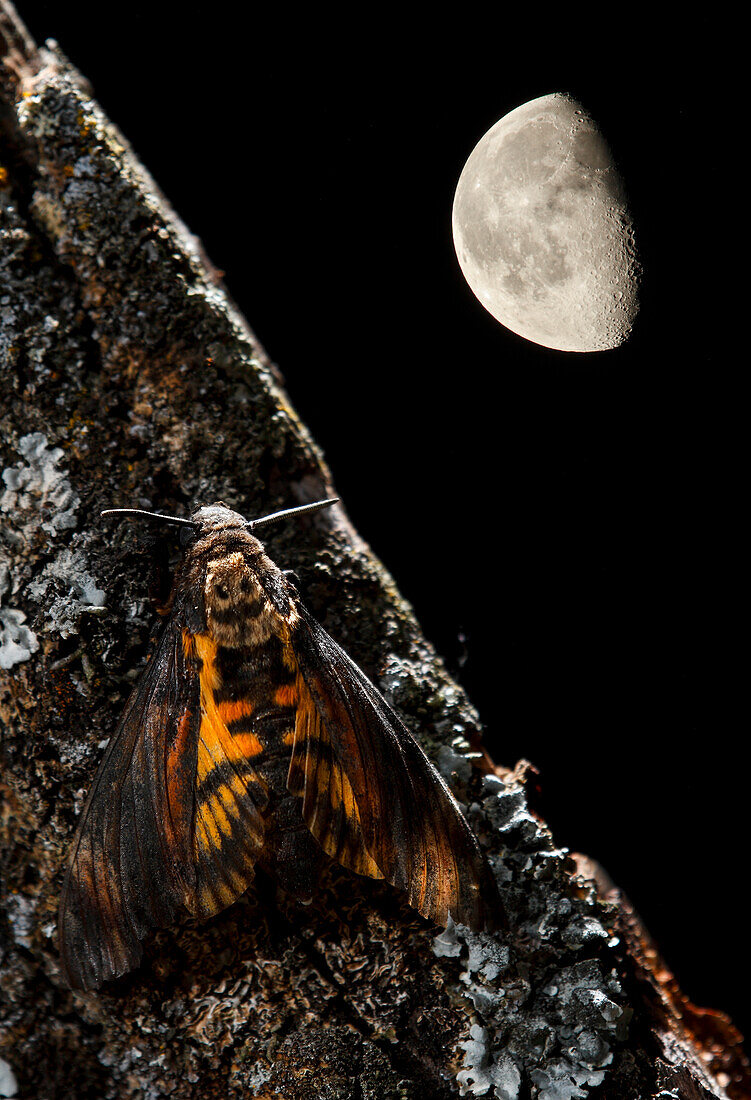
252, 740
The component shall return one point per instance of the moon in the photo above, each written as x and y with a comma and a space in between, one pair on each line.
542, 229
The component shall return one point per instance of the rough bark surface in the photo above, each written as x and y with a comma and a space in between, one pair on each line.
129, 378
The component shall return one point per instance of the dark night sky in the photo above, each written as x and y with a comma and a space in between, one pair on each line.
593, 621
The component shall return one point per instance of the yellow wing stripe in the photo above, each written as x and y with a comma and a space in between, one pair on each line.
225, 815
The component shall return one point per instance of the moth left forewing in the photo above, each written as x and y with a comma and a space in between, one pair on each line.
370, 795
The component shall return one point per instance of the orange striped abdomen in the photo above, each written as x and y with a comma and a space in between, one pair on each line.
256, 699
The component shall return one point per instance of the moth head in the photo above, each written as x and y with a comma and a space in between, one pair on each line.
216, 517
243, 595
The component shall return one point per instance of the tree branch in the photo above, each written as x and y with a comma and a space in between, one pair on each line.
130, 379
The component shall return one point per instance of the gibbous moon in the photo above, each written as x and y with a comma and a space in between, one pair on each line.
542, 230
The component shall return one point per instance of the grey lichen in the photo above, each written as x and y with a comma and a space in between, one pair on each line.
548, 1006
39, 500
20, 911
38, 489
483, 1074
8, 1083
64, 591
17, 641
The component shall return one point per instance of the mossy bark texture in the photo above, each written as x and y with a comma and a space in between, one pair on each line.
128, 378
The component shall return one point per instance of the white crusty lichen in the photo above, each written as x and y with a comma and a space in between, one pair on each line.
66, 590
484, 1075
551, 1040
20, 912
38, 496
403, 681
8, 1083
38, 485
17, 641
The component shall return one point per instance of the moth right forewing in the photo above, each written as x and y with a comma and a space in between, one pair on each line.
329, 806
408, 822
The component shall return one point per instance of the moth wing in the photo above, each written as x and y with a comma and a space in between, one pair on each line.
230, 797
131, 863
372, 798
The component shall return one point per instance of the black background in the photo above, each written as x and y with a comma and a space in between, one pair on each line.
560, 522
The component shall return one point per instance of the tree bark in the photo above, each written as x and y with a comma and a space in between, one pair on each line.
130, 379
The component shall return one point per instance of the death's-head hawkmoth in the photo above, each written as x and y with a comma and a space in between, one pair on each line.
253, 740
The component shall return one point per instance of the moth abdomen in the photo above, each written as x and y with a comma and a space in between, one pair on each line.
291, 854
252, 673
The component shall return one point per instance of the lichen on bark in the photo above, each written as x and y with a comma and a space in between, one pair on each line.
131, 379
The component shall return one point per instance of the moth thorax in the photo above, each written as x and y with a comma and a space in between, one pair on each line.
238, 612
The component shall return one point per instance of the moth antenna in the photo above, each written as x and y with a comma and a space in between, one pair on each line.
150, 515
299, 511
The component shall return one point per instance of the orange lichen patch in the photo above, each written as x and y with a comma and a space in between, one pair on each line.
85, 122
